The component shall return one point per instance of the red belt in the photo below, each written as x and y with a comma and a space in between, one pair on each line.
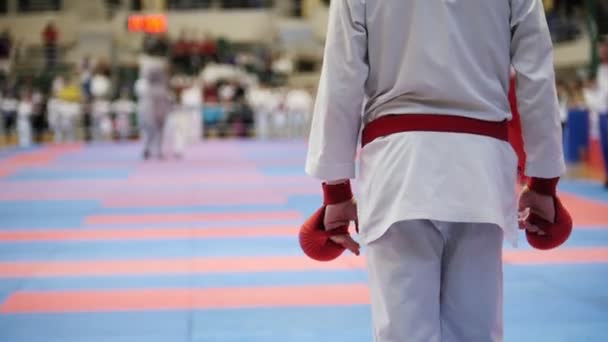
391, 124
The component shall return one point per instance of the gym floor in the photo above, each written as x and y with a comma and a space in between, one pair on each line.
96, 245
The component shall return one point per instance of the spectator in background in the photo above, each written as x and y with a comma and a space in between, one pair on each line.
38, 120
180, 54
1, 119
576, 90
6, 46
50, 37
207, 48
283, 66
70, 109
563, 96
156, 45
9, 107
561, 19
568, 7
240, 119
602, 85
602, 73
86, 74
602, 17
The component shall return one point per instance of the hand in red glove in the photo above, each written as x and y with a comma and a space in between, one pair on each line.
324, 236
531, 202
546, 221
340, 215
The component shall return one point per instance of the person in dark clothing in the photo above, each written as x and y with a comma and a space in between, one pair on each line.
6, 46
50, 37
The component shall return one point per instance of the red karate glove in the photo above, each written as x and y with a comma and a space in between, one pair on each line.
324, 236
546, 221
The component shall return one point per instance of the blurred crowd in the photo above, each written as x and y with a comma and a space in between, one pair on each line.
210, 89
564, 18
587, 91
586, 100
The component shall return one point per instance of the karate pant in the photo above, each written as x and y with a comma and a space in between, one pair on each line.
437, 282
153, 138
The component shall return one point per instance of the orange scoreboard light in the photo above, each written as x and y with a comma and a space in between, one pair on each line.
149, 23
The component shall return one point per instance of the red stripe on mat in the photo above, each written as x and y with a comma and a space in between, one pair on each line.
172, 266
215, 179
184, 299
39, 157
193, 199
143, 234
257, 264
210, 217
557, 256
140, 195
586, 212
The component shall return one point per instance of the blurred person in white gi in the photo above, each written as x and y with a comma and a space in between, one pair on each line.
259, 98
179, 128
70, 113
299, 108
101, 109
25, 111
563, 97
192, 102
278, 113
53, 113
434, 204
59, 82
123, 109
154, 104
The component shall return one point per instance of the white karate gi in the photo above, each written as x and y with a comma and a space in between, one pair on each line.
53, 110
435, 57
192, 102
258, 99
102, 122
70, 114
154, 104
299, 108
24, 123
123, 109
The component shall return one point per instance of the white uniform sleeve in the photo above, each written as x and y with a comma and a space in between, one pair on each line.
532, 59
338, 108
